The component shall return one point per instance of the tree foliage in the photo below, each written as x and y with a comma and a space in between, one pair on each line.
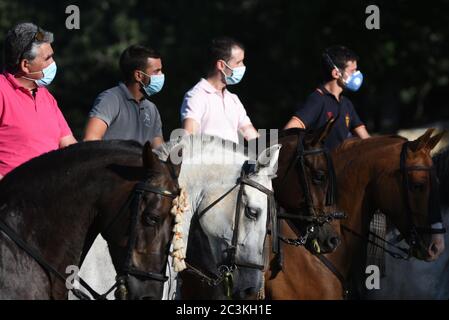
405, 63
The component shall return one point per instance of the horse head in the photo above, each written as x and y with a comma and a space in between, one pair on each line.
414, 181
306, 187
228, 240
139, 237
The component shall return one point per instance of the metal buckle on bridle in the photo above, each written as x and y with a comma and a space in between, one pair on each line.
226, 275
122, 290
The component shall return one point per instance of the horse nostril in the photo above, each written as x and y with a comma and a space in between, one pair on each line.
333, 242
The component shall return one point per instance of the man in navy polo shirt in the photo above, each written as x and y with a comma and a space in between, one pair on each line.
340, 73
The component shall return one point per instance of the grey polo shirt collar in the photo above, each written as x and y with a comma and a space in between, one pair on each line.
128, 94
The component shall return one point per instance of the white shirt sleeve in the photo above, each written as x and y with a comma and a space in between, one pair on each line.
244, 120
192, 107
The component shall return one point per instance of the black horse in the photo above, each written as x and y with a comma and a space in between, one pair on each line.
53, 207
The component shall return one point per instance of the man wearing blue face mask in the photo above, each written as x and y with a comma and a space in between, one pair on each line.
31, 122
209, 107
339, 65
125, 111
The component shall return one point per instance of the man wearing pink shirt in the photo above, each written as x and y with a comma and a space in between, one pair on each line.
209, 107
30, 121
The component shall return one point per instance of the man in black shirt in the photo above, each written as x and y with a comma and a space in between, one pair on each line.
340, 73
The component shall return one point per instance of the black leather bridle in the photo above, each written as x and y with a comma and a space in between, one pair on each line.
132, 203
313, 219
414, 230
433, 197
128, 270
231, 263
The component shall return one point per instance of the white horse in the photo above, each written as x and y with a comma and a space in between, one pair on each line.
416, 279
210, 168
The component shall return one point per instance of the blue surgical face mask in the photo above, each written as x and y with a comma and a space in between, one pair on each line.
354, 81
155, 85
236, 75
48, 73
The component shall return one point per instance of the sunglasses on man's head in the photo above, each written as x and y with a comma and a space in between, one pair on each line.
38, 36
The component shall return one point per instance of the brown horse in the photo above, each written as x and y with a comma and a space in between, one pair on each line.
386, 173
53, 207
305, 188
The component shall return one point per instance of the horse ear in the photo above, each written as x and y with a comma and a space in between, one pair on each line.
150, 160
435, 139
321, 134
267, 161
422, 141
176, 163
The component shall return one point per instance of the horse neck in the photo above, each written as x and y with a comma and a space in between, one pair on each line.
286, 155
356, 178
67, 223
286, 185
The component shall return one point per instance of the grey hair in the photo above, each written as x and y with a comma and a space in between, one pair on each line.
18, 39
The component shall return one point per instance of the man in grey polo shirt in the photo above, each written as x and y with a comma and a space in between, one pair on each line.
124, 112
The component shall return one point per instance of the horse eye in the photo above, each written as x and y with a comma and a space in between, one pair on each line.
150, 220
251, 213
319, 177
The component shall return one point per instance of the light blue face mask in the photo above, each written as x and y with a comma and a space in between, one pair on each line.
49, 74
155, 85
236, 75
354, 81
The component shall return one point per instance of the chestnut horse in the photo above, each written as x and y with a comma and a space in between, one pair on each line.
386, 173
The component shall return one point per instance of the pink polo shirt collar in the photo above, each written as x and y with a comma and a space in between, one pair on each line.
29, 126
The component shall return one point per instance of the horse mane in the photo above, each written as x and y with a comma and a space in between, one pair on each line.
205, 141
441, 163
292, 132
52, 166
383, 140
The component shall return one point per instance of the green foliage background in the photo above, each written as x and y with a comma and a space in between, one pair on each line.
405, 63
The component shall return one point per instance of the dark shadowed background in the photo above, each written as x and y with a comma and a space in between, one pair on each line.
405, 63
